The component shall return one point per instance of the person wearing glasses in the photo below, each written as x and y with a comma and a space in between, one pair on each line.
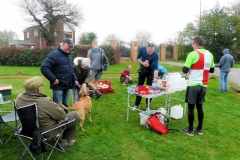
57, 68
198, 64
82, 70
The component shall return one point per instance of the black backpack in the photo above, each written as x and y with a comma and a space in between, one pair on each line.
104, 61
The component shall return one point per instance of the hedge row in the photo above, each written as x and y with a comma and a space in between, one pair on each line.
18, 56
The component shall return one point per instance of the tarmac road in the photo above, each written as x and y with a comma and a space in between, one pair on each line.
234, 75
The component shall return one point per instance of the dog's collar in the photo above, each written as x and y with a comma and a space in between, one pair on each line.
84, 94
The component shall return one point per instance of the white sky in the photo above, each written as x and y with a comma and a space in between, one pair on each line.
162, 18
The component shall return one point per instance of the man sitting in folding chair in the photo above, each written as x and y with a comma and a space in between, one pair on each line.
49, 113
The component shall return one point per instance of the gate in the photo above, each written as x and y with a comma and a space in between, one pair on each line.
124, 49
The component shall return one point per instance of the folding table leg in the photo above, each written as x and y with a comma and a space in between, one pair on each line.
128, 105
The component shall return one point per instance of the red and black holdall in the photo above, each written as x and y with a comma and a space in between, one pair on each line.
157, 126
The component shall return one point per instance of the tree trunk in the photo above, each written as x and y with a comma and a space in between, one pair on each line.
50, 42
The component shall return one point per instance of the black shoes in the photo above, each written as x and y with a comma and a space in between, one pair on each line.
191, 133
95, 94
98, 94
199, 131
136, 107
187, 131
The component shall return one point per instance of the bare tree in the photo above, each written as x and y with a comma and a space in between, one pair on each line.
234, 8
143, 37
6, 36
50, 11
111, 37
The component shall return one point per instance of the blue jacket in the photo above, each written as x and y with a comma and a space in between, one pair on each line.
226, 61
162, 69
152, 59
59, 65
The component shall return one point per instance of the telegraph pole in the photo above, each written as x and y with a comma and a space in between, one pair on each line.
200, 17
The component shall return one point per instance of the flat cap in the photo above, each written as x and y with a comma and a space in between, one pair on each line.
33, 83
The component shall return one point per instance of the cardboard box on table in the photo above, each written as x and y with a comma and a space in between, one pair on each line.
6, 91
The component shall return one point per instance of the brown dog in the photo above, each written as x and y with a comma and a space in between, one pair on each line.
82, 106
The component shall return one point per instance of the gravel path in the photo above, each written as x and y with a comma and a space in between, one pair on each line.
234, 75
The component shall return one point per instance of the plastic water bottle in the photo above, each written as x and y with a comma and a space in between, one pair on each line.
162, 118
1, 98
161, 115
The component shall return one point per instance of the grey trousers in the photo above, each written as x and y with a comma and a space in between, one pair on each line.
126, 80
69, 132
75, 95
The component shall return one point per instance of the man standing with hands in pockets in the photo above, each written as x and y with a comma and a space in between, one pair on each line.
57, 68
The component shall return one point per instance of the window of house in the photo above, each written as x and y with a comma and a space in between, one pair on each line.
55, 34
68, 35
35, 33
28, 34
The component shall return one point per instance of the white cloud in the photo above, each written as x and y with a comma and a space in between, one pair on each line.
163, 18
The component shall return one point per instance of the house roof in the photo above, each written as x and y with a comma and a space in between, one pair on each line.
37, 27
31, 28
22, 43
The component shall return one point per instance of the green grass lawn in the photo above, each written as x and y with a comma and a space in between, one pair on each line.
110, 136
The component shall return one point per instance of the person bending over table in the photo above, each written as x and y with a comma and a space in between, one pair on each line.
161, 71
148, 59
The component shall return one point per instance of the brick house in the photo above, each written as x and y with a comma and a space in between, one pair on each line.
63, 30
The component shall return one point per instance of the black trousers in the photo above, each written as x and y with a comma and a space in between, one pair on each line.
142, 76
160, 74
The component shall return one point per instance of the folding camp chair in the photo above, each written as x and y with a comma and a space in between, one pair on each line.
5, 122
28, 116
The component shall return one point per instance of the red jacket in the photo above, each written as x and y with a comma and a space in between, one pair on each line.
125, 73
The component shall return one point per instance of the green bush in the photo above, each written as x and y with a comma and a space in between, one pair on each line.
20, 56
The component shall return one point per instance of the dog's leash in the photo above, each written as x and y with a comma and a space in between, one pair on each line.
75, 89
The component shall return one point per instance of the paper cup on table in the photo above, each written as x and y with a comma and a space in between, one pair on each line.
164, 83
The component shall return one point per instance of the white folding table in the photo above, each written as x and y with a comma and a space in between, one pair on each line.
149, 96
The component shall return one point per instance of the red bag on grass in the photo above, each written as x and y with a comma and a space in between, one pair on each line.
157, 126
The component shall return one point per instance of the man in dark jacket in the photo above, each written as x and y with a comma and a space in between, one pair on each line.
57, 68
82, 70
226, 62
49, 113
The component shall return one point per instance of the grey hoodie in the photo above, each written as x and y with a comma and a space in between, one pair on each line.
226, 61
